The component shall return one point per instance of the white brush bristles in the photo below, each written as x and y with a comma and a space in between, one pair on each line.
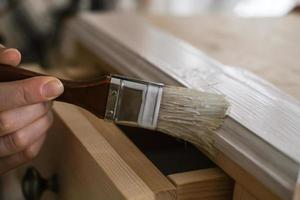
191, 115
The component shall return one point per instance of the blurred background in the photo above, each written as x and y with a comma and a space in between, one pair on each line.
34, 26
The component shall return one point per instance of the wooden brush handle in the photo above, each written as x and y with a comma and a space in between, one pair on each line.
90, 95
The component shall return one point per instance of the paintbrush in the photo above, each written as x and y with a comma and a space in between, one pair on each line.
184, 113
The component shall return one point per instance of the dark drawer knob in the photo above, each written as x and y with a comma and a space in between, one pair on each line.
33, 184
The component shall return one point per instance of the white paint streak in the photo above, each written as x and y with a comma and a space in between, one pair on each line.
192, 115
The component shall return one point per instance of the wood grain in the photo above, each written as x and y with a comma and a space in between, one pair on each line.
208, 184
143, 167
262, 118
241, 194
246, 179
105, 170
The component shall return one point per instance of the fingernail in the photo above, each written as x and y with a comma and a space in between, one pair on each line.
53, 89
6, 50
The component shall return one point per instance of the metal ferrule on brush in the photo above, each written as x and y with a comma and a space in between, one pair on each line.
133, 102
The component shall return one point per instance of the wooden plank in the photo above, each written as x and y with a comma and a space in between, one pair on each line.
115, 179
245, 179
262, 118
143, 167
208, 184
241, 194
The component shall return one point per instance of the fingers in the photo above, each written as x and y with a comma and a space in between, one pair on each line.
25, 114
22, 139
10, 56
26, 155
30, 91
13, 120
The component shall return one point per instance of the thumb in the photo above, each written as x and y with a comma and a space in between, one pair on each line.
30, 91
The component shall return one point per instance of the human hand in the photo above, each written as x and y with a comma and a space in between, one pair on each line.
25, 114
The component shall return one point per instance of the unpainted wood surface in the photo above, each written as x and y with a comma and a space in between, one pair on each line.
245, 179
206, 184
241, 194
143, 167
107, 173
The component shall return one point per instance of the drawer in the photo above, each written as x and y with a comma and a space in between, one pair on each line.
94, 159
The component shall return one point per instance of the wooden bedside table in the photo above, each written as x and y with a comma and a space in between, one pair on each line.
97, 160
